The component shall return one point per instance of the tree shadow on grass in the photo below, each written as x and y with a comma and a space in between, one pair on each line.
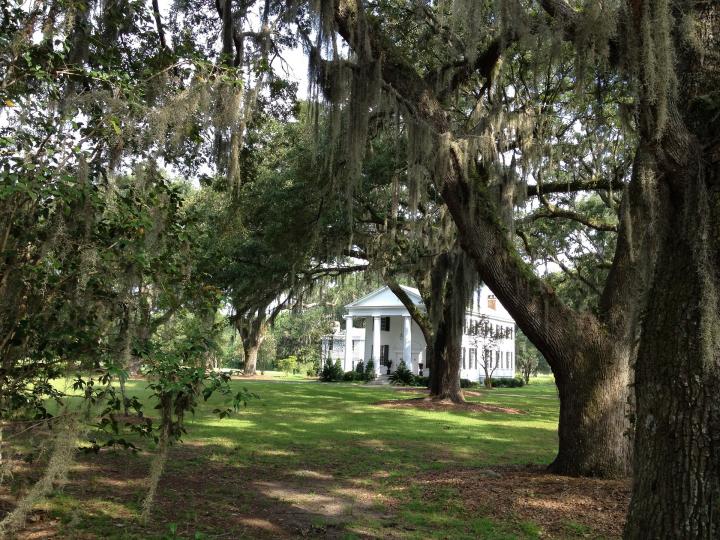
306, 460
202, 497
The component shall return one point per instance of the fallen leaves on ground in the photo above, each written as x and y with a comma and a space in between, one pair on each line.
562, 506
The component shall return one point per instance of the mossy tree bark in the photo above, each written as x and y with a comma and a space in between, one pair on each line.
676, 491
252, 333
676, 488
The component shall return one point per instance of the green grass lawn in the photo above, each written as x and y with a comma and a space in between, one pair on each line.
308, 459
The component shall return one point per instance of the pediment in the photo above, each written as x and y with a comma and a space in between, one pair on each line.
384, 297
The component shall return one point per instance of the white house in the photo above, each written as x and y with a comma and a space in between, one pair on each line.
381, 329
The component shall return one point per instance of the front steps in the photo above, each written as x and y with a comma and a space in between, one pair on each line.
381, 380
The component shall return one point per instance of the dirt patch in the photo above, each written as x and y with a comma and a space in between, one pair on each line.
444, 405
132, 420
411, 390
563, 506
425, 391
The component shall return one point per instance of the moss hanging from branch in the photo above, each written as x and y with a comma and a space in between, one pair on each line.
68, 429
649, 57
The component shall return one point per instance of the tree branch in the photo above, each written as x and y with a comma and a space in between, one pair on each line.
334, 271
576, 275
159, 25
417, 315
550, 211
615, 184
551, 325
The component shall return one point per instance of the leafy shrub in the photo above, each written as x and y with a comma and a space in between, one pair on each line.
360, 368
402, 375
508, 382
331, 372
288, 365
370, 370
421, 381
467, 383
350, 376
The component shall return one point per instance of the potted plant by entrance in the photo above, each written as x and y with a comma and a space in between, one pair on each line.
388, 364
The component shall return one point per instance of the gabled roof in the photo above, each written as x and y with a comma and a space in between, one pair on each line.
384, 297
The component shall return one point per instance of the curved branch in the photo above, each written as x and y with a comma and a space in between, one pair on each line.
615, 184
553, 212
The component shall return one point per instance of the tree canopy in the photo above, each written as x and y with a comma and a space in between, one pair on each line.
158, 168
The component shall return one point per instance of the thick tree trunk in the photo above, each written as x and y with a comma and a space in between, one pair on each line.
676, 491
445, 379
591, 366
252, 333
442, 339
594, 426
676, 488
251, 354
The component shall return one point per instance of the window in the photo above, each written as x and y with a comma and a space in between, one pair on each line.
384, 354
385, 324
473, 358
492, 303
463, 357
497, 359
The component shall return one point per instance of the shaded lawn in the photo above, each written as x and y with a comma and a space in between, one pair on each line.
321, 460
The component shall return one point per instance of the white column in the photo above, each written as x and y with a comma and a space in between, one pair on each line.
376, 344
348, 343
407, 341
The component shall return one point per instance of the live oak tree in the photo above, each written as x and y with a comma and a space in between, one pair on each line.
417, 243
462, 155
280, 234
676, 47
668, 54
446, 281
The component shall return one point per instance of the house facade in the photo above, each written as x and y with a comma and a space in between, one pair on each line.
378, 327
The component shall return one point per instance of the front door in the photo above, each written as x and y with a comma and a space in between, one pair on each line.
385, 356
